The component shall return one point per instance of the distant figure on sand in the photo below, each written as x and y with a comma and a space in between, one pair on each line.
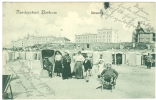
148, 61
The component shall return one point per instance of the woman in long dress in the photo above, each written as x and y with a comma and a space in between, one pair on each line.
78, 71
66, 60
58, 65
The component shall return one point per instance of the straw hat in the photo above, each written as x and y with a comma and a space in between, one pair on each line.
108, 63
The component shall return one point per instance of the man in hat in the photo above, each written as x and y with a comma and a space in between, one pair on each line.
109, 74
47, 65
149, 60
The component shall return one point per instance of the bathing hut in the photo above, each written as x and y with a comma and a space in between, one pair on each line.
50, 55
23, 55
138, 56
107, 56
96, 56
35, 55
135, 58
132, 58
118, 58
17, 55
11, 55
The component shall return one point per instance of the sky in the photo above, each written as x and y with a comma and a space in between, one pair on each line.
71, 18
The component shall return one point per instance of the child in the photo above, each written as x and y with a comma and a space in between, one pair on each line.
87, 67
100, 65
48, 66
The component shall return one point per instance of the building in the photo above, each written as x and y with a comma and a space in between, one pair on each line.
103, 35
143, 35
32, 40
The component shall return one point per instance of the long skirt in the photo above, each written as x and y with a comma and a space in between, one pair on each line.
58, 67
78, 71
66, 72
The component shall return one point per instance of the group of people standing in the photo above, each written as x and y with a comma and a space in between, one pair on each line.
62, 65
79, 62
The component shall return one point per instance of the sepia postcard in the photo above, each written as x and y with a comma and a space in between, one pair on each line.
78, 50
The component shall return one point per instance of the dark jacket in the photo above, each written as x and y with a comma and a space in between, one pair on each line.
66, 60
87, 65
109, 72
47, 65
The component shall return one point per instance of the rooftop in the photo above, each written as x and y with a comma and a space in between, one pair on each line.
141, 30
35, 37
86, 34
61, 38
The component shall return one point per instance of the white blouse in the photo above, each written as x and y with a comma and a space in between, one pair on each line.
79, 58
58, 57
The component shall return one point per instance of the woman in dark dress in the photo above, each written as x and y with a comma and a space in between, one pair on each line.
66, 60
58, 65
87, 67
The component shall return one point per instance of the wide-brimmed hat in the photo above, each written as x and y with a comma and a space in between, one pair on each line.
66, 51
108, 63
58, 52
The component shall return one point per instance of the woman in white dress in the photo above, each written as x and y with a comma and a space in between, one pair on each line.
58, 65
